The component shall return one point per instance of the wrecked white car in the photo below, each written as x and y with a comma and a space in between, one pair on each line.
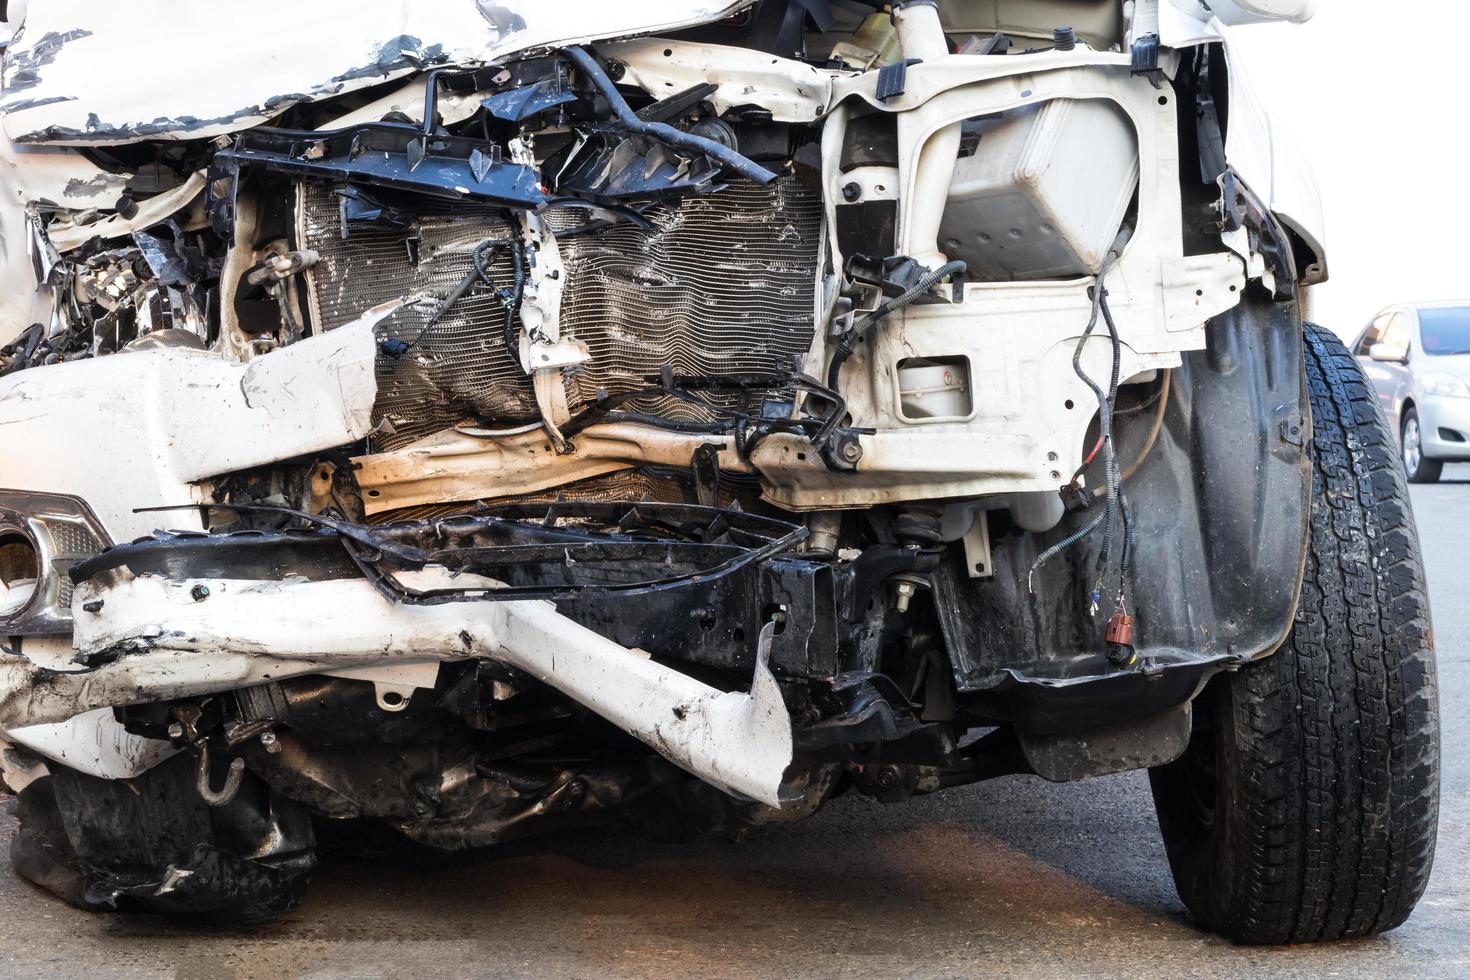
468, 420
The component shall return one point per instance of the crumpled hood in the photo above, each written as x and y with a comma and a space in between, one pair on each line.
84, 73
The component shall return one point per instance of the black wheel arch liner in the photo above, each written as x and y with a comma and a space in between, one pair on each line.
1221, 508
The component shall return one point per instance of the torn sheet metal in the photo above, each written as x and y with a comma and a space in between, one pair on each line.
231, 66
52, 175
150, 212
790, 91
170, 417
94, 743
159, 640
444, 166
408, 100
40, 176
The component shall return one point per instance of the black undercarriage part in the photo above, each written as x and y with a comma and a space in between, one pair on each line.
152, 843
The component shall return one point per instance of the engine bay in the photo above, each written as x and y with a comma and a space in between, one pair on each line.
857, 277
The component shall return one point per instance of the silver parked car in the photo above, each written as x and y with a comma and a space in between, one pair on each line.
1418, 358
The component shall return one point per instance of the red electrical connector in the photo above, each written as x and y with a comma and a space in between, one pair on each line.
1120, 640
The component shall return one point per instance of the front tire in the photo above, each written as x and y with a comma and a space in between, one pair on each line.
1306, 806
1418, 467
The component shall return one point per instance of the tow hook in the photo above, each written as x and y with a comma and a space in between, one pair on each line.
232, 782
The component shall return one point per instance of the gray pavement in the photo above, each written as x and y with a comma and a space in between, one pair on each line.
1012, 877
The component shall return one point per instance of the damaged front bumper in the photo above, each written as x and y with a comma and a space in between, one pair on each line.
177, 617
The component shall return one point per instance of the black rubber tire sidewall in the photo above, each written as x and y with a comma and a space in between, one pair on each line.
1325, 755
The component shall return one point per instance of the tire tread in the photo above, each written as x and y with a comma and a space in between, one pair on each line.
1329, 798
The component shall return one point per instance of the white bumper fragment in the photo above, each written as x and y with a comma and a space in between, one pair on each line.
164, 639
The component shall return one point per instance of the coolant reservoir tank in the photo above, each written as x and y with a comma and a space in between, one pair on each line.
1040, 192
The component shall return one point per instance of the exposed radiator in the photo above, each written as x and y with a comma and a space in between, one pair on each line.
722, 284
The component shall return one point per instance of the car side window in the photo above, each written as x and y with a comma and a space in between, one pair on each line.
1372, 335
1396, 336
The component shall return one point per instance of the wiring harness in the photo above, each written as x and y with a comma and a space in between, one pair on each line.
1116, 517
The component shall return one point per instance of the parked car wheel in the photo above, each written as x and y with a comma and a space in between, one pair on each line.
1306, 805
1420, 468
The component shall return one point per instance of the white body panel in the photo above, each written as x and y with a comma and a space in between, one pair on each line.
1273, 164
94, 743
81, 73
1249, 11
157, 421
792, 91
1260, 149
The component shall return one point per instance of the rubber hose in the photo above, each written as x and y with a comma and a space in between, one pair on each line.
628, 119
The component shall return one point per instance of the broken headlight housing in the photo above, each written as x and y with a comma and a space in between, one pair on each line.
42, 535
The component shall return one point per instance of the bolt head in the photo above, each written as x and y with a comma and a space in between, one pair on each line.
199, 592
175, 731
852, 451
904, 592
852, 191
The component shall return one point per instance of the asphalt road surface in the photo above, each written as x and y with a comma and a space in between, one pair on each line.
1012, 877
